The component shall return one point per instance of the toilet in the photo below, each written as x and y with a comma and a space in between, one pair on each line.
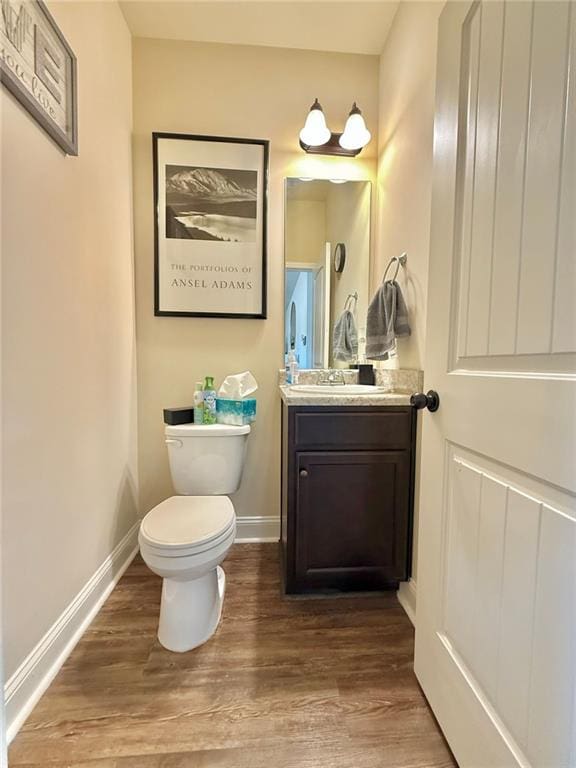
186, 537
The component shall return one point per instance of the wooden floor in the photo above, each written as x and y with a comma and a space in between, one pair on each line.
284, 683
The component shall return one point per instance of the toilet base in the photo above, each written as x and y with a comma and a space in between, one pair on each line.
190, 611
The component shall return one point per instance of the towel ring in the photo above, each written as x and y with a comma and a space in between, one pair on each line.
351, 299
400, 262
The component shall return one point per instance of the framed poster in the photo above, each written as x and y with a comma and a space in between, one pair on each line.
39, 68
210, 200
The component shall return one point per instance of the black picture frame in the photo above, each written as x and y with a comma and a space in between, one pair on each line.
159, 311
15, 83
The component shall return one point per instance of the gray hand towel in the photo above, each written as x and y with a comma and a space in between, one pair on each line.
387, 320
345, 338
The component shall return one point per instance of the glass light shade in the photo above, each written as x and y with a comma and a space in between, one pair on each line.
315, 131
355, 135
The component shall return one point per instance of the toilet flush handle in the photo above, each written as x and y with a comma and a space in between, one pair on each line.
173, 441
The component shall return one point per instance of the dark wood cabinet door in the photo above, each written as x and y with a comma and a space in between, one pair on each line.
352, 518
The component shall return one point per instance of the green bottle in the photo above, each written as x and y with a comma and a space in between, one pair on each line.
209, 401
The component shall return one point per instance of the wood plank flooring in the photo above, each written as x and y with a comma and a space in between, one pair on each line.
313, 683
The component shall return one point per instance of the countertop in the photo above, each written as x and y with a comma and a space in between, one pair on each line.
308, 398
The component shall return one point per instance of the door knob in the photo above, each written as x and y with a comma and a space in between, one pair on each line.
430, 400
303, 473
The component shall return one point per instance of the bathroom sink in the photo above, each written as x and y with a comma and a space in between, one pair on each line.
337, 389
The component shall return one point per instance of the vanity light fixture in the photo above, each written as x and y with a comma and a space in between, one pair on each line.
316, 138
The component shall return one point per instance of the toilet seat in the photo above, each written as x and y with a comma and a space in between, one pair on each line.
185, 525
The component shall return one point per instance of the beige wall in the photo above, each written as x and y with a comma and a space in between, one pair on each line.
69, 450
230, 91
348, 218
305, 231
406, 122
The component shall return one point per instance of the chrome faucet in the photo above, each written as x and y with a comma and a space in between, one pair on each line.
332, 377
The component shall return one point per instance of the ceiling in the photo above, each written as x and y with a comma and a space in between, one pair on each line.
349, 26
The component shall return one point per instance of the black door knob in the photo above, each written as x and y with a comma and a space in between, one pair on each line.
430, 400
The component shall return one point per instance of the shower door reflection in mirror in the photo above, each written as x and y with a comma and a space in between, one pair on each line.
325, 299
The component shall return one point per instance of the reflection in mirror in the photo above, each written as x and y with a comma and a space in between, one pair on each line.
293, 326
327, 258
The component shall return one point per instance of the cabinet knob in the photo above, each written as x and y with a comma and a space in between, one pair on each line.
303, 473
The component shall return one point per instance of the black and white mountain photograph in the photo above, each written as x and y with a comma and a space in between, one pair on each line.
211, 204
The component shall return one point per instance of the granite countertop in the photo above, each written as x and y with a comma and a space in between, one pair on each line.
308, 398
398, 384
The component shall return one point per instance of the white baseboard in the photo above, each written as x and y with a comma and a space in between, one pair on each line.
24, 689
257, 529
407, 599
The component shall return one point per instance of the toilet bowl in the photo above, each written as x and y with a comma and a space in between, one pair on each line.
185, 538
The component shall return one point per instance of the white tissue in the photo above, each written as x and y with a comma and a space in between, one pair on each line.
238, 386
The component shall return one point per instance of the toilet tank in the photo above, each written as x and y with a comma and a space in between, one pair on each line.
206, 460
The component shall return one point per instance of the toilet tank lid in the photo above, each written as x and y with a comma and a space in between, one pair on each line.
206, 430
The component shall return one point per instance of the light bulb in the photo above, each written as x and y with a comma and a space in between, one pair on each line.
315, 131
355, 135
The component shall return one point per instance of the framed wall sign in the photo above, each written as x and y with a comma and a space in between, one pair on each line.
39, 68
210, 199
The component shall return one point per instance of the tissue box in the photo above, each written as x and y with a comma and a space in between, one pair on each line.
237, 412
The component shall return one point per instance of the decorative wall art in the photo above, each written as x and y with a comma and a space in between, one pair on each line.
210, 198
39, 68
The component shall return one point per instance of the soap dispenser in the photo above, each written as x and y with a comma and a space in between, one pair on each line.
291, 368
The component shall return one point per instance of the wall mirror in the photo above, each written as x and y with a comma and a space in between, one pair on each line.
327, 260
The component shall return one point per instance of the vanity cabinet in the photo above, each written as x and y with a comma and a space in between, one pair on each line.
347, 496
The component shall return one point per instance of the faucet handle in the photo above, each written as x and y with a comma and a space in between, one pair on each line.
331, 376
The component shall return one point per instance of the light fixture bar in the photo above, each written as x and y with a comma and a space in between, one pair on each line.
331, 147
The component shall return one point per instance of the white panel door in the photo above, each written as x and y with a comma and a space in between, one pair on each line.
322, 326
327, 305
496, 618
319, 341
